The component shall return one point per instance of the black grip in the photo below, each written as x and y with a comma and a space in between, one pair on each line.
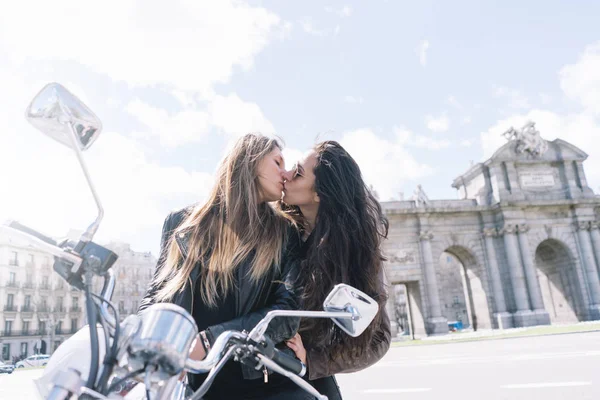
32, 232
288, 362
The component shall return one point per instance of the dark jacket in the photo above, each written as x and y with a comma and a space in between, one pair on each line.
255, 300
320, 360
321, 363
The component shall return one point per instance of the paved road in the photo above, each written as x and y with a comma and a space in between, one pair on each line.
547, 367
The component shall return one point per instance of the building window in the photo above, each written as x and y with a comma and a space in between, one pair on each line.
25, 327
75, 304
27, 305
31, 259
6, 352
12, 277
14, 258
74, 324
24, 349
7, 327
59, 328
121, 306
10, 302
42, 327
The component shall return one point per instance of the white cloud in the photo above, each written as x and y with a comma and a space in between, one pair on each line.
308, 26
581, 81
345, 11
189, 44
386, 164
234, 116
354, 99
440, 124
183, 127
454, 102
466, 143
515, 98
406, 137
422, 52
44, 188
467, 120
228, 114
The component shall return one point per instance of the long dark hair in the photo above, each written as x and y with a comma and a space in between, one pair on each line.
346, 248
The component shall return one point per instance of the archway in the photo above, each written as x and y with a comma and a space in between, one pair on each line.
462, 295
558, 281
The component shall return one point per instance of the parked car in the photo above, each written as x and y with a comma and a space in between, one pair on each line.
6, 368
37, 360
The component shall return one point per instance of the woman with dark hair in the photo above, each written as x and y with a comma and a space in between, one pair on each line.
342, 226
224, 261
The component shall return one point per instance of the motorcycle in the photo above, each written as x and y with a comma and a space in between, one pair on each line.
146, 355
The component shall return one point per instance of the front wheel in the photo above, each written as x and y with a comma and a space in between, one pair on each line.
20, 366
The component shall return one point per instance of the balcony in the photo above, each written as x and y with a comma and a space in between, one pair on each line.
60, 331
43, 308
45, 286
26, 312
25, 332
28, 285
12, 284
75, 309
13, 263
11, 308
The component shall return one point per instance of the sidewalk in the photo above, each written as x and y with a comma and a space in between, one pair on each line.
468, 335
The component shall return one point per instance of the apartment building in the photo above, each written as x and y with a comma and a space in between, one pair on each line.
39, 310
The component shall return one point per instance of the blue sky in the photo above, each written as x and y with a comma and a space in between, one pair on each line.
414, 90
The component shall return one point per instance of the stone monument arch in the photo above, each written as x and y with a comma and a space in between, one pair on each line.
525, 231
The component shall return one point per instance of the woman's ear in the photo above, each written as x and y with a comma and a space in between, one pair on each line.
316, 198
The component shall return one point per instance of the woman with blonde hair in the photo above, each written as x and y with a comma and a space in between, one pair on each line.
224, 262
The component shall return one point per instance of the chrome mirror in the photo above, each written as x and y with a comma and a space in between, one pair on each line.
345, 298
59, 114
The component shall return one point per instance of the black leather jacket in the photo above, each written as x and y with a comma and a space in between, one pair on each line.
255, 300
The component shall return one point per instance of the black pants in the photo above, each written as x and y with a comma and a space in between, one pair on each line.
327, 386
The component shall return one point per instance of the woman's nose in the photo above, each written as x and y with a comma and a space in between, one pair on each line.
287, 175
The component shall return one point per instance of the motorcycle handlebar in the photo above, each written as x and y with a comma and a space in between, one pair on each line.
290, 363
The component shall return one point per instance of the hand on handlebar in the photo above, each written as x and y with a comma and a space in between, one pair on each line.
197, 352
296, 344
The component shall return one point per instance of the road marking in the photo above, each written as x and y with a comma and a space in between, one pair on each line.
391, 391
486, 359
545, 384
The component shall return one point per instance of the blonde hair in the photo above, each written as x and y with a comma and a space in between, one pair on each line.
226, 229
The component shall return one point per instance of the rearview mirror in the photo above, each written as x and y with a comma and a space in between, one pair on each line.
59, 114
345, 298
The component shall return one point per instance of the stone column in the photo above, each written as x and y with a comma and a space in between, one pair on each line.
503, 319
591, 270
435, 322
523, 314
595, 233
533, 284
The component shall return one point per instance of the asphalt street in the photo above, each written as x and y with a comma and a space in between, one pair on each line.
544, 367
